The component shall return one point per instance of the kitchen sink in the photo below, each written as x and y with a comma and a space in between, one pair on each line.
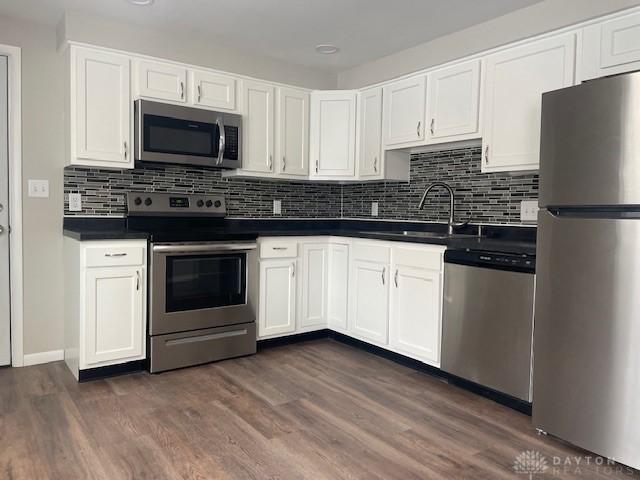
422, 234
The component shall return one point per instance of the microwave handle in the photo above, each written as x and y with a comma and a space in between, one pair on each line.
222, 142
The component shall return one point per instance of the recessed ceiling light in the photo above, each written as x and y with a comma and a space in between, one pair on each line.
327, 49
141, 2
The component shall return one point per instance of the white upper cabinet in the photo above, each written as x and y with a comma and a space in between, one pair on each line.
333, 134
453, 103
100, 110
258, 120
404, 112
213, 90
611, 47
370, 139
162, 81
292, 156
514, 83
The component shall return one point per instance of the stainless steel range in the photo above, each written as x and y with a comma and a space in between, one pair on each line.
199, 307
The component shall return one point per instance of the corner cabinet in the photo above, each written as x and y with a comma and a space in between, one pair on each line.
314, 269
105, 303
101, 109
370, 134
515, 80
333, 135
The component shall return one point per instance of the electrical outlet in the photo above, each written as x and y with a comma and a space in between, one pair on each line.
529, 210
39, 188
277, 207
374, 209
75, 202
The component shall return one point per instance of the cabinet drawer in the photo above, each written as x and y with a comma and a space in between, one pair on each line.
277, 249
370, 252
114, 255
423, 257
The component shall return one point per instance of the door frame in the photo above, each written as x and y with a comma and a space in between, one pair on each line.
15, 201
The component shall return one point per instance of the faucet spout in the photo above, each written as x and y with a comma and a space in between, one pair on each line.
451, 224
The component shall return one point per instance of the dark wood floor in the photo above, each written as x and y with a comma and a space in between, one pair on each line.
318, 410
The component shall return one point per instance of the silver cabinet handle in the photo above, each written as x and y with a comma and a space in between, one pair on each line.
182, 90
433, 121
137, 280
486, 154
115, 254
293, 269
270, 162
384, 270
317, 165
1, 229
199, 93
126, 149
279, 248
222, 142
395, 278
375, 164
284, 164
418, 128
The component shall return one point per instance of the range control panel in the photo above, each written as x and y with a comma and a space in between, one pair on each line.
175, 204
497, 260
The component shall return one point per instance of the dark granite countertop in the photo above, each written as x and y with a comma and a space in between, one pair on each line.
507, 239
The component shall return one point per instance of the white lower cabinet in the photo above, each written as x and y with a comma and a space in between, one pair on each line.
277, 303
369, 301
314, 271
105, 317
337, 288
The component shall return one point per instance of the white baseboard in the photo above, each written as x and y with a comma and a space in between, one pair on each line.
43, 357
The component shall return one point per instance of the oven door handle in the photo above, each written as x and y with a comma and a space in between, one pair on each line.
222, 247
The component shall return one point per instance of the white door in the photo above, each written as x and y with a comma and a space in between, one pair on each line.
404, 111
333, 134
338, 286
103, 110
277, 304
314, 285
293, 132
5, 318
213, 90
257, 123
115, 323
514, 83
453, 102
369, 301
163, 81
416, 302
370, 151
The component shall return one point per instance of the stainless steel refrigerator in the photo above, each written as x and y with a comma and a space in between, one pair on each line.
586, 386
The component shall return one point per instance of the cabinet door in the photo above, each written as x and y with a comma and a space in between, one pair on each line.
314, 285
114, 328
404, 111
369, 301
416, 306
257, 124
163, 81
611, 47
293, 132
102, 121
453, 102
213, 90
333, 129
277, 304
514, 84
338, 286
370, 151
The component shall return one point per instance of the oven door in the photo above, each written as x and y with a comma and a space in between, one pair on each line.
196, 286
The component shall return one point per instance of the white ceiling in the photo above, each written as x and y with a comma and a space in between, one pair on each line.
290, 29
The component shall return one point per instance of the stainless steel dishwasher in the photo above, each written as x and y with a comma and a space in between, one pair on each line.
488, 319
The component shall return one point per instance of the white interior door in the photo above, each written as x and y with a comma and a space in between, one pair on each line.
5, 320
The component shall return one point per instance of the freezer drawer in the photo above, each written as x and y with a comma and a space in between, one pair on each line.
587, 334
487, 327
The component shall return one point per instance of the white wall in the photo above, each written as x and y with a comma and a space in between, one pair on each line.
188, 48
518, 25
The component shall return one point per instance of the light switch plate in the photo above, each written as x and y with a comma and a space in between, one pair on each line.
39, 188
374, 209
75, 202
529, 210
277, 207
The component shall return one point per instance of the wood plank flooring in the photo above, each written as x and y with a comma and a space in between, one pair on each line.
316, 410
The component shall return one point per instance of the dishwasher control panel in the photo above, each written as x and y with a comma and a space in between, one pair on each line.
496, 260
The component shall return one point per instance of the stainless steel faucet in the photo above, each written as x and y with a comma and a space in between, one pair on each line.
451, 224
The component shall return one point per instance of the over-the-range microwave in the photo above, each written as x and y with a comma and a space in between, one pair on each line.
167, 133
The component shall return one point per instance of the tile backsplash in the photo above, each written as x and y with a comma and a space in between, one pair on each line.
480, 197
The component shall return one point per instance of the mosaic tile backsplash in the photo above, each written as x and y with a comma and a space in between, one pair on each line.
480, 197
